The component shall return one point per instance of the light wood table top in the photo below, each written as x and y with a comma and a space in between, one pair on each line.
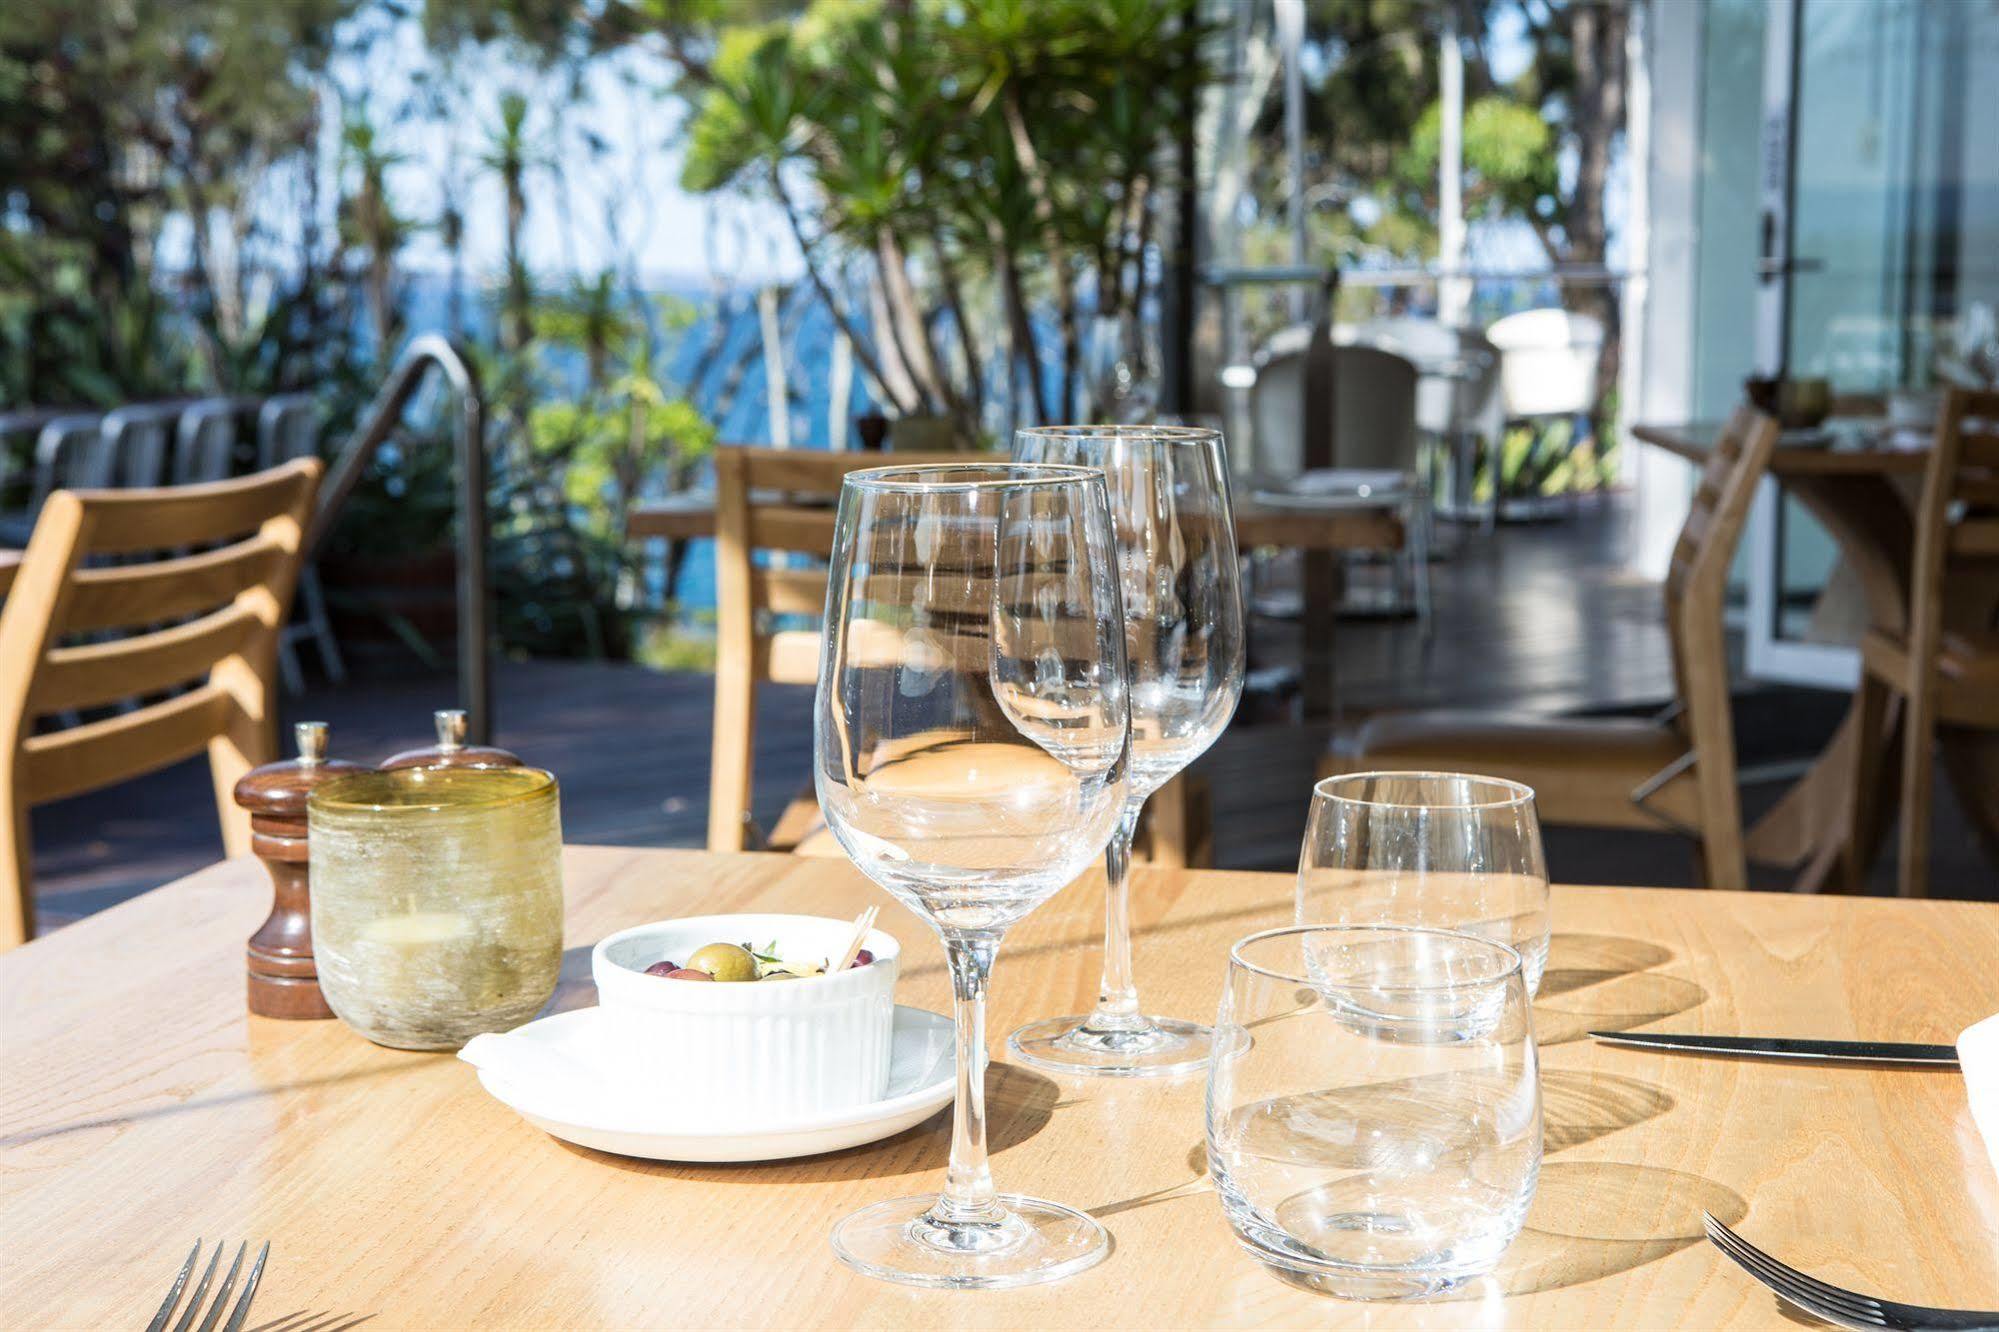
691, 517
140, 1108
1857, 448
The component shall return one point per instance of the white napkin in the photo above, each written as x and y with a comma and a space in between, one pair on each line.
1978, 1055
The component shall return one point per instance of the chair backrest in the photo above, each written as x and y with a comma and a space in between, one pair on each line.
1957, 515
139, 439
223, 607
287, 428
205, 443
1696, 596
1374, 402
768, 500
1547, 361
72, 452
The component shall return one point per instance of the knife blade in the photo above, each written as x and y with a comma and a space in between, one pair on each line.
1786, 1047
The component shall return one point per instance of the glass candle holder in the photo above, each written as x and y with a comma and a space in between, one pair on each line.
436, 901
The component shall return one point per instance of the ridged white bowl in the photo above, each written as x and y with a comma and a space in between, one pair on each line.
767, 1050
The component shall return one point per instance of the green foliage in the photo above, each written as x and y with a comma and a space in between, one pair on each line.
1012, 147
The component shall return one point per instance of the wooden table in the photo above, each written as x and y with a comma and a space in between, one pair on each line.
1858, 490
140, 1108
1319, 533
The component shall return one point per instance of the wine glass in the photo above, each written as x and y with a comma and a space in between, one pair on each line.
1176, 551
1442, 849
971, 746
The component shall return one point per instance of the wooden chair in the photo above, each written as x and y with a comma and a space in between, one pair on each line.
1676, 771
770, 500
226, 604
1945, 675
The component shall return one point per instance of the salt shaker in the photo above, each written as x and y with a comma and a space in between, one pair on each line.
283, 979
451, 751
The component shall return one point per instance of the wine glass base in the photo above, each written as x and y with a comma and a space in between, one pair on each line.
1160, 1048
1033, 1241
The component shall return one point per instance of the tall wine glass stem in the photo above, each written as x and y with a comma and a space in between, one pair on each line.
969, 1197
1117, 991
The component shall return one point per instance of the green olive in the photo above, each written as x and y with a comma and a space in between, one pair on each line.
725, 962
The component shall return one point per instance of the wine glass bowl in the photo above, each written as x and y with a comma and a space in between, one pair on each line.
971, 747
1174, 531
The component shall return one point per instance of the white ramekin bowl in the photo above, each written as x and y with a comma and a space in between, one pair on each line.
762, 1050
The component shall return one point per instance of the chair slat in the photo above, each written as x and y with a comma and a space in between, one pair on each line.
1980, 449
788, 591
83, 758
1977, 538
800, 531
120, 596
162, 518
141, 664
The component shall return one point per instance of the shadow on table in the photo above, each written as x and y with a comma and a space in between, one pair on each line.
197, 1104
1019, 1104
1590, 1220
307, 1321
1604, 982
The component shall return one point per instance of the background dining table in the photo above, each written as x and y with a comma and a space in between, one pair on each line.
1322, 533
141, 1109
1857, 480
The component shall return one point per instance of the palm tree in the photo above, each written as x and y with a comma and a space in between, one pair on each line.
510, 154
369, 220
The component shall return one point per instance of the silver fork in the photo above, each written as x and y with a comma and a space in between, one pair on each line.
1845, 1308
236, 1315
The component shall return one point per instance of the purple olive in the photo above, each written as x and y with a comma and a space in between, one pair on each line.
862, 958
662, 968
688, 973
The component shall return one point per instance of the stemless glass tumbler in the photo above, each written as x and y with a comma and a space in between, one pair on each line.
1176, 556
971, 742
1438, 849
1374, 1109
436, 901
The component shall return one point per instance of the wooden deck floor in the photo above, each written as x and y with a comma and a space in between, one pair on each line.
1534, 618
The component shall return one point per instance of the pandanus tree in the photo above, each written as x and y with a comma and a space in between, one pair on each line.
965, 155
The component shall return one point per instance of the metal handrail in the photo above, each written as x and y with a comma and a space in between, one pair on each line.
474, 592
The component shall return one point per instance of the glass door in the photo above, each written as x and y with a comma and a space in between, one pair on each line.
1878, 231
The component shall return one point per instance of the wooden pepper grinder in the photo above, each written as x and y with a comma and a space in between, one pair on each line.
451, 751
283, 979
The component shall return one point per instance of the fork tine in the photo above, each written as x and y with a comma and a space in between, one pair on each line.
186, 1319
242, 1309
173, 1296
1826, 1289
222, 1295
1828, 1302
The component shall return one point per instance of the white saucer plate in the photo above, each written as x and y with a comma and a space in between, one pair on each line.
921, 1081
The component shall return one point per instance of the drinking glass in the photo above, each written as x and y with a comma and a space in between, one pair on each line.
1374, 1109
970, 748
1441, 849
1176, 553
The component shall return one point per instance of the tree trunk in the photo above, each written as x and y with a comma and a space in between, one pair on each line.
906, 323
1597, 46
1025, 347
968, 345
1051, 240
862, 352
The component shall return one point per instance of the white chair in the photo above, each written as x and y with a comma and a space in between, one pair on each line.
1375, 442
1457, 395
1547, 362
288, 428
1547, 367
